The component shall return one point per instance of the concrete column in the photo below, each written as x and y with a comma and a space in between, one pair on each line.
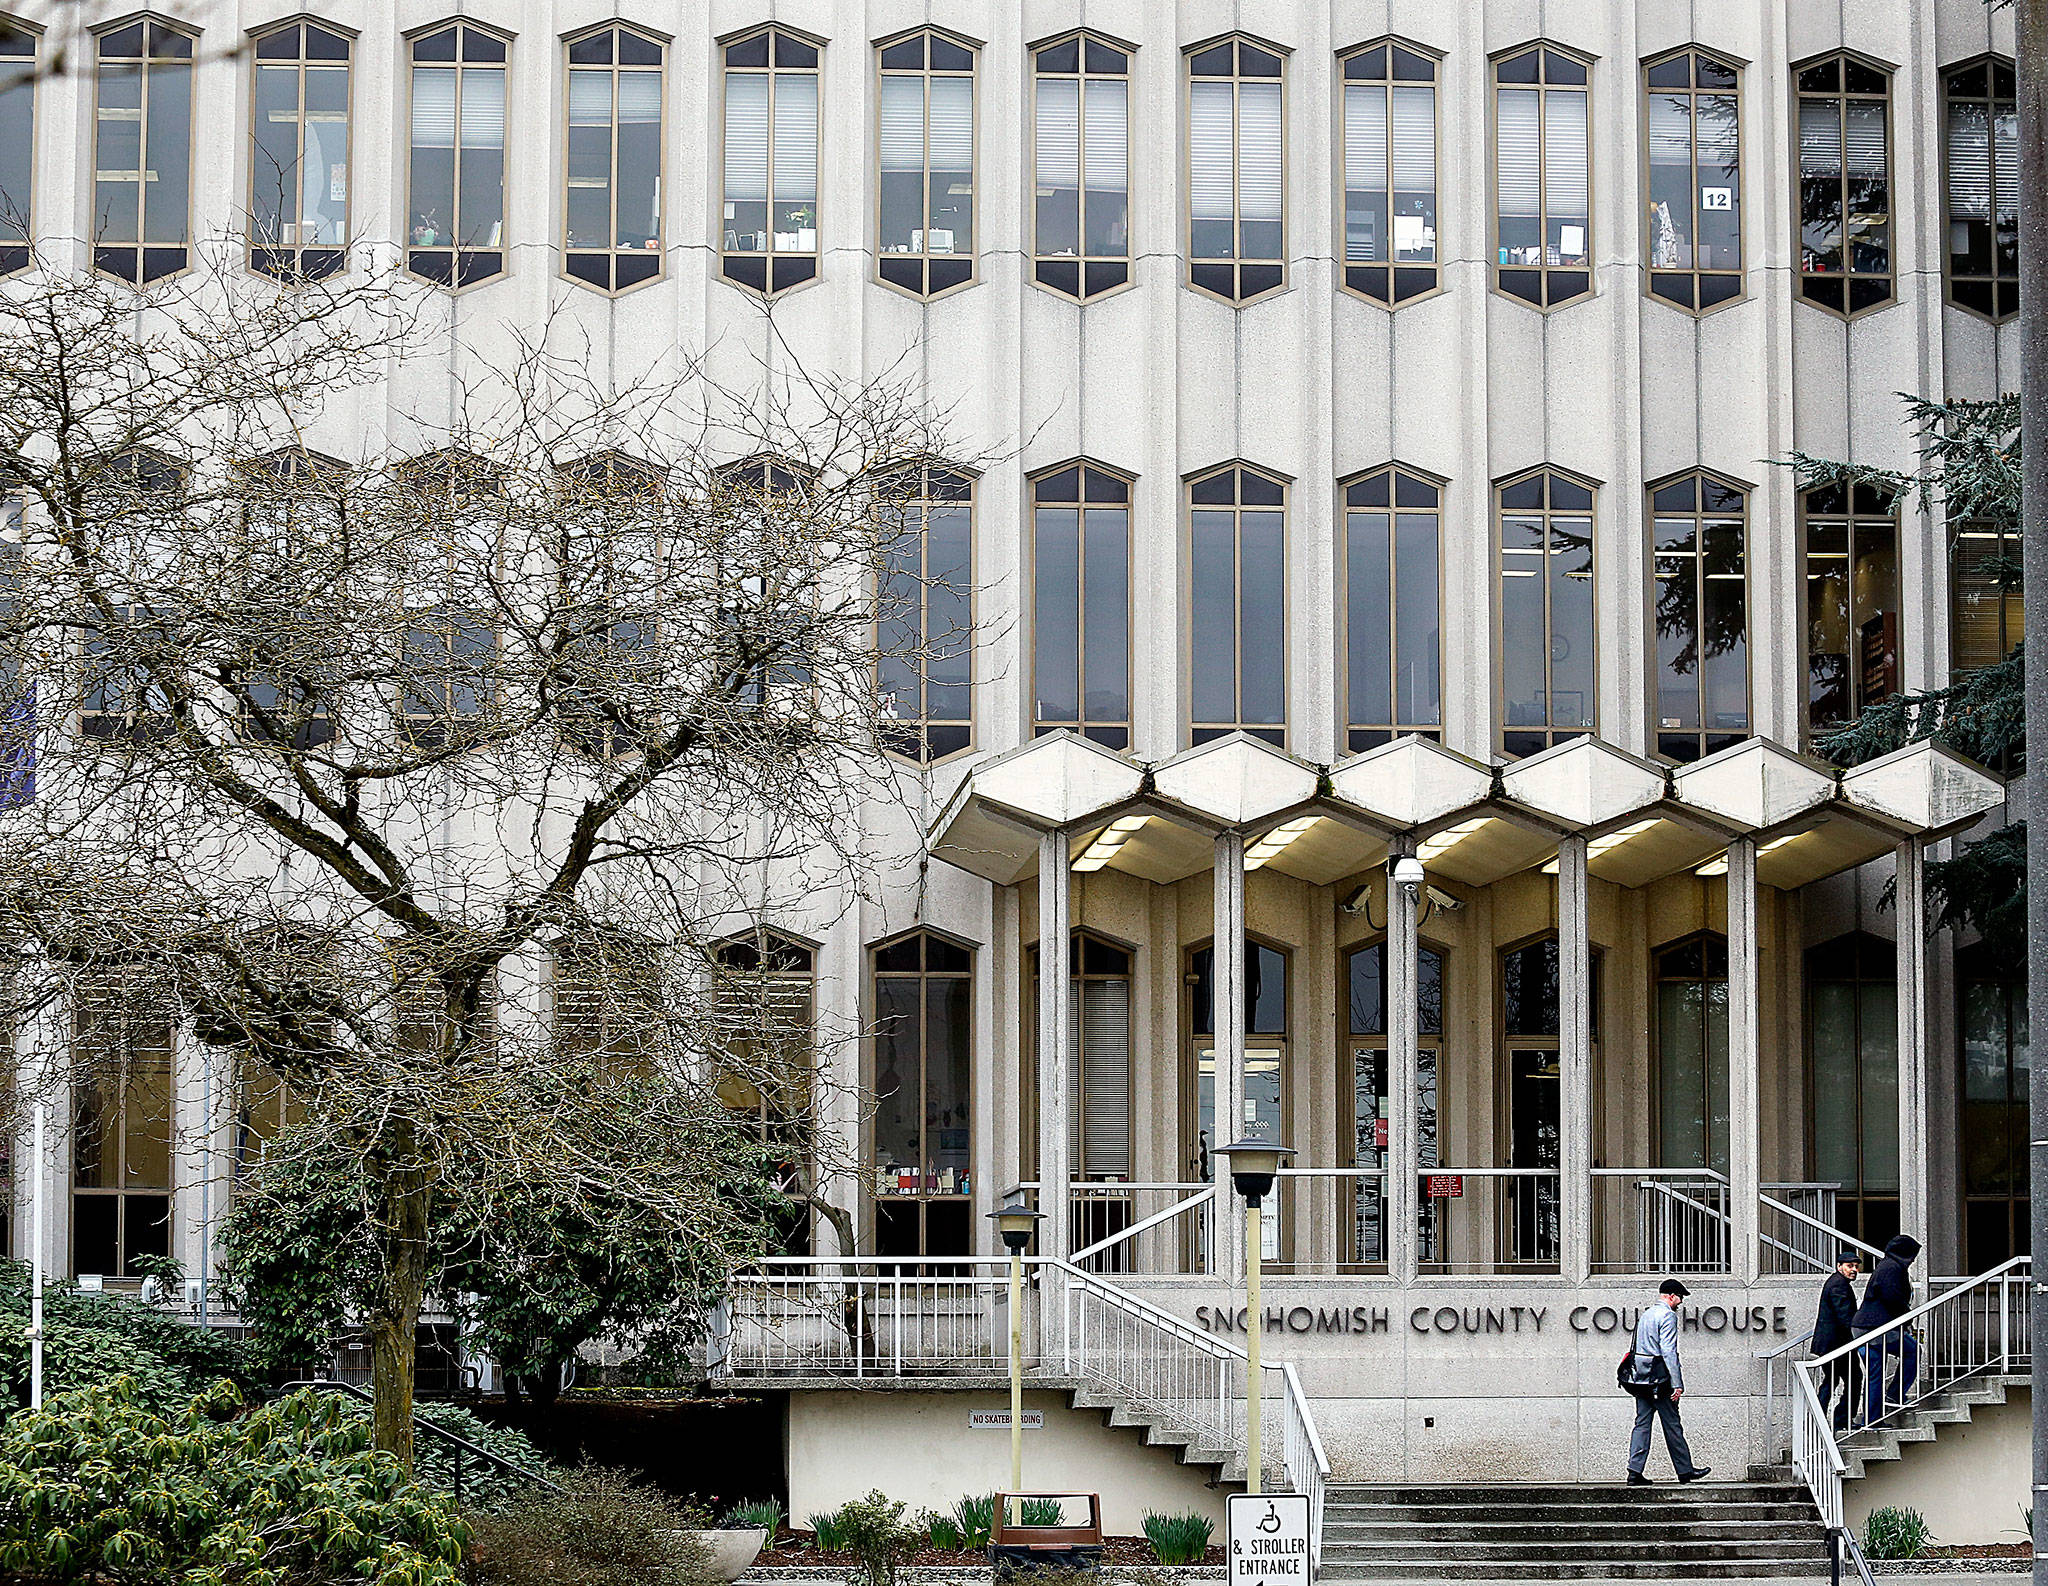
1744, 1055
1055, 1043
1575, 1062
1404, 1044
1914, 1047
1226, 1120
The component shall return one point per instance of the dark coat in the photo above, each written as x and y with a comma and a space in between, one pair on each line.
1837, 1312
1890, 1293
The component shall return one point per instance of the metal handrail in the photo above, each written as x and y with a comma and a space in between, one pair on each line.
1201, 1197
1982, 1280
420, 1423
1816, 1224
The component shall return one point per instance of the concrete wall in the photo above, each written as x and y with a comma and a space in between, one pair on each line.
918, 1447
1970, 1482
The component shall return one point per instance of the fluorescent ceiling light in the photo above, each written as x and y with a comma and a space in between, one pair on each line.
1276, 841
1109, 840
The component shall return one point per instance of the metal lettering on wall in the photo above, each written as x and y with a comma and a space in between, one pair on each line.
1484, 1319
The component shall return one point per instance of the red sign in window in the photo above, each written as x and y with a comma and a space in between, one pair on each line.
1446, 1186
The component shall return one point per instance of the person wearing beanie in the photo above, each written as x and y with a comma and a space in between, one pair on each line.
1887, 1297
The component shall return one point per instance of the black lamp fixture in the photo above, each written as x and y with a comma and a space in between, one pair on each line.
1016, 1222
1253, 1165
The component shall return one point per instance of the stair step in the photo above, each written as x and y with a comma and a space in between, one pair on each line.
1763, 1569
1537, 1523
1530, 1549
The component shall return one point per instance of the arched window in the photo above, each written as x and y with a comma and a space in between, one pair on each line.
298, 156
142, 151
1995, 1084
1237, 633
922, 1123
1702, 615
1852, 601
1390, 179
1081, 166
1237, 169
611, 208
1393, 606
455, 211
1852, 1002
1845, 184
924, 241
1981, 175
1691, 1014
765, 993
768, 233
1363, 1072
1081, 603
1543, 223
17, 144
1692, 109
925, 635
1547, 671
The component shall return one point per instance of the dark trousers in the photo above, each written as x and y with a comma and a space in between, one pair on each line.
1874, 1362
1838, 1389
1664, 1408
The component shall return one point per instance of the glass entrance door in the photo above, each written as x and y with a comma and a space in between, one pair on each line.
1261, 1121
1371, 1109
1533, 1111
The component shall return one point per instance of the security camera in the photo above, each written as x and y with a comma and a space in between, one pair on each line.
1408, 872
1443, 900
1354, 905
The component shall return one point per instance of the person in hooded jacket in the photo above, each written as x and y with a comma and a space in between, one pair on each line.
1831, 1331
1888, 1297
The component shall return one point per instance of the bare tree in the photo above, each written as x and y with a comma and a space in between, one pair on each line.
326, 757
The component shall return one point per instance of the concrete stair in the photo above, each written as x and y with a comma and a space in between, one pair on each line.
1706, 1531
1922, 1420
1226, 1466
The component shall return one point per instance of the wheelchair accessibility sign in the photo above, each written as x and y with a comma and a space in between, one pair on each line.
1268, 1539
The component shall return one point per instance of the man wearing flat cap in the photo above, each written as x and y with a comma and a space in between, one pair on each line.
1658, 1383
1831, 1325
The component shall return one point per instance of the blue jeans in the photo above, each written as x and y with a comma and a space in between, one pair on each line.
1874, 1361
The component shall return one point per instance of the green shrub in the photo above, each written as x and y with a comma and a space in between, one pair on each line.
1892, 1533
602, 1529
1179, 1538
1041, 1511
96, 1487
761, 1514
484, 1487
977, 1515
827, 1534
876, 1537
943, 1531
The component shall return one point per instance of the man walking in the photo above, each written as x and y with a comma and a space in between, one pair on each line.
1658, 1383
1888, 1297
1831, 1331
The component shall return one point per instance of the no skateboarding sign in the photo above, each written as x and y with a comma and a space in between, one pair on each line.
1268, 1539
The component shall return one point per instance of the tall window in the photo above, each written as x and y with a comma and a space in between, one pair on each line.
1390, 173
612, 208
121, 1157
768, 234
1702, 607
606, 998
766, 1009
1852, 997
1265, 1057
1691, 1015
922, 1128
17, 144
1081, 603
1852, 602
1099, 1082
926, 628
265, 1106
1237, 170
1981, 144
448, 673
1543, 217
1845, 184
142, 152
1371, 1102
1392, 606
925, 229
455, 220
1531, 1033
1081, 166
298, 157
1988, 615
1237, 531
1692, 107
1995, 1082
1546, 611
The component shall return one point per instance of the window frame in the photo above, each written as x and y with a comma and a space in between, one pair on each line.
1197, 732
2012, 603
1700, 517
1704, 935
1078, 938
469, 483
146, 20
1850, 518
1591, 268
1396, 299
1352, 725
1991, 61
458, 282
1084, 725
120, 1064
1082, 75
1693, 93
922, 503
612, 251
1429, 1119
1865, 952
929, 30
301, 62
773, 71
1288, 1041
1236, 263
870, 1154
1840, 98
1502, 727
15, 257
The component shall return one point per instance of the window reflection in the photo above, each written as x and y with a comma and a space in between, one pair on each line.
299, 167
1237, 522
1390, 250
17, 144
1392, 621
769, 229
1081, 573
1845, 203
1692, 1053
1702, 616
142, 152
1694, 224
1546, 611
926, 225
612, 205
925, 635
1981, 145
1852, 602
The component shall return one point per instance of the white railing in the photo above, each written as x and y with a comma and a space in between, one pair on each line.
1141, 1228
1307, 1466
1659, 1220
1488, 1219
1796, 1232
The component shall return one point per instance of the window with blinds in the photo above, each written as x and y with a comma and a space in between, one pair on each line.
1081, 599
606, 998
924, 634
17, 144
142, 152
768, 231
1980, 147
1099, 1123
1237, 633
1702, 615
1845, 184
924, 236
1546, 649
1543, 227
612, 203
1393, 625
1237, 170
298, 156
1692, 231
1852, 601
1987, 612
1081, 166
1389, 153
455, 205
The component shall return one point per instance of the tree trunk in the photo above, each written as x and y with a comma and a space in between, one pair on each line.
395, 1327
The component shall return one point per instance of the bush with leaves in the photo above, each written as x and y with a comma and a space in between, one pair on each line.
601, 1529
98, 1488
877, 1537
1895, 1533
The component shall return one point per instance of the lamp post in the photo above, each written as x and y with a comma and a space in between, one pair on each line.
1016, 1222
1253, 1165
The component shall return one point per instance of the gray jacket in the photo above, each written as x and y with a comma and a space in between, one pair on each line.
1657, 1334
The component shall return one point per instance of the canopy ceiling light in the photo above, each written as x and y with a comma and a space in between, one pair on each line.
1276, 841
1112, 837
1607, 842
1444, 841
1718, 865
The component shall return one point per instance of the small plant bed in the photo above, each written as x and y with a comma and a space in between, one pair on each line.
796, 1551
1980, 1550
